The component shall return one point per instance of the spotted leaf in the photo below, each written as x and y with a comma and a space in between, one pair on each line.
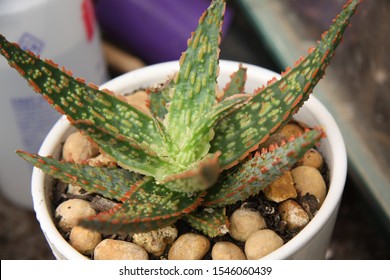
211, 221
236, 84
146, 206
242, 131
259, 171
194, 88
82, 102
130, 154
111, 183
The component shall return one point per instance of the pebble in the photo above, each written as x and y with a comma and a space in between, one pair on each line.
243, 222
75, 190
281, 189
293, 214
78, 148
101, 160
312, 158
291, 129
71, 211
261, 243
139, 100
189, 246
110, 249
276, 138
224, 250
308, 179
155, 241
84, 240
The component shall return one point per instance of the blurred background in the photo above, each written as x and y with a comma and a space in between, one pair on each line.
102, 39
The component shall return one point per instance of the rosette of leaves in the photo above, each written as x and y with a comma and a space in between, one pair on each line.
197, 150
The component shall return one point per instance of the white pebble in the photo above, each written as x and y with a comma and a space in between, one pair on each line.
71, 211
78, 148
110, 249
244, 222
227, 251
293, 214
261, 243
139, 100
189, 246
308, 179
155, 241
84, 240
312, 158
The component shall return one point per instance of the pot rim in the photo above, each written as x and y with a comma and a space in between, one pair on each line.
62, 249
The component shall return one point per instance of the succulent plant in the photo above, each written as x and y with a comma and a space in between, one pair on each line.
197, 151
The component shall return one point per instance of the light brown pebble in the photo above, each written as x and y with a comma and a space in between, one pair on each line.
101, 160
308, 179
224, 250
189, 246
312, 158
84, 240
291, 129
139, 100
110, 249
155, 241
243, 222
281, 189
75, 190
276, 138
261, 243
293, 214
78, 148
71, 211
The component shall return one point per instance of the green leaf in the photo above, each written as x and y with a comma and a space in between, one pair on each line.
211, 221
236, 84
145, 207
159, 99
242, 131
196, 141
198, 177
81, 102
261, 170
195, 84
130, 154
112, 183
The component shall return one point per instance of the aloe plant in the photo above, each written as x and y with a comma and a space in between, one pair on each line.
197, 151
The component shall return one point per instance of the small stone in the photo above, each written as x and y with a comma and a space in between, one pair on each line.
101, 160
110, 249
189, 246
312, 158
139, 100
227, 251
261, 243
293, 214
84, 240
308, 179
276, 138
71, 211
281, 189
155, 241
75, 190
310, 204
78, 148
243, 222
291, 129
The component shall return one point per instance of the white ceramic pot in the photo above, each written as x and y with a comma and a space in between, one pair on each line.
310, 243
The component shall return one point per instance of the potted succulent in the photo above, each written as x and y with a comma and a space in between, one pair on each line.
196, 150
